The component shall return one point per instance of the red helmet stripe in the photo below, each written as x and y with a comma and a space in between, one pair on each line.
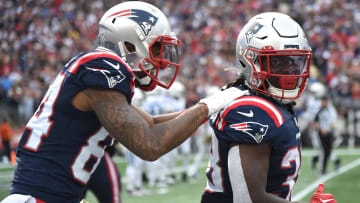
121, 13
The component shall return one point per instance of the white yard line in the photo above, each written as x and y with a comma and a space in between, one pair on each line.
323, 179
345, 151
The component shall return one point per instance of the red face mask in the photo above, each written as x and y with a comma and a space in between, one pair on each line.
283, 69
164, 59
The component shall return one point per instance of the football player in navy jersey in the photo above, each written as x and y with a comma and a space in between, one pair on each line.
256, 147
89, 105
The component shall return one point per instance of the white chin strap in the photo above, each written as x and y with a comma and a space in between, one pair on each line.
143, 81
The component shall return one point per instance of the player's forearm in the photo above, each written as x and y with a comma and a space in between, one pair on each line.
155, 140
170, 130
165, 117
144, 138
146, 116
157, 118
181, 127
149, 142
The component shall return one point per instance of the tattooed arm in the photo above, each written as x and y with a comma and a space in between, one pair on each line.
156, 118
146, 138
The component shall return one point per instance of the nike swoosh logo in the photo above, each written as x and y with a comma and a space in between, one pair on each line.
326, 200
250, 114
117, 66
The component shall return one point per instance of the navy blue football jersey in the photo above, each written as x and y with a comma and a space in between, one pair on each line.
254, 120
105, 182
61, 146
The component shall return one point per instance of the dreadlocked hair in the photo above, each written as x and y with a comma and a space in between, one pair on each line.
235, 83
290, 107
239, 81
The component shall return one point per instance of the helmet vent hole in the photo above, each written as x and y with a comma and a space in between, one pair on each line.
262, 38
242, 64
130, 47
113, 21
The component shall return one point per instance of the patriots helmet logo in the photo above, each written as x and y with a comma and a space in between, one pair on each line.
145, 19
252, 31
256, 130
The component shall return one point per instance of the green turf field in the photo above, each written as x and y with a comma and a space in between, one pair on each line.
345, 184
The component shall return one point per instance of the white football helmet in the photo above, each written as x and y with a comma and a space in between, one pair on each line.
318, 89
141, 35
274, 56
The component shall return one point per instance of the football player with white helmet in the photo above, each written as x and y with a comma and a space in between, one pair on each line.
141, 35
89, 105
255, 151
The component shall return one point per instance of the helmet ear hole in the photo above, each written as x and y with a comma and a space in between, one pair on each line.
242, 64
130, 47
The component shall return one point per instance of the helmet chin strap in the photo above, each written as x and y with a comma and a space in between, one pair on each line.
144, 80
145, 83
287, 93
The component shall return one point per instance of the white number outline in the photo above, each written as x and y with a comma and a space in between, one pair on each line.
215, 171
93, 148
291, 156
40, 124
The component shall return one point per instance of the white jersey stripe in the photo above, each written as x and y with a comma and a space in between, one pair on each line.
114, 178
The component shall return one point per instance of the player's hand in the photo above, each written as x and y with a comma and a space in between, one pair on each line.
320, 197
220, 99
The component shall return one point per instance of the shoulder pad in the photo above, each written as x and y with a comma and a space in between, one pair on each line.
248, 119
100, 69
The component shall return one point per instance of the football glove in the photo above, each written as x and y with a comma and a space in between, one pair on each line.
220, 99
320, 197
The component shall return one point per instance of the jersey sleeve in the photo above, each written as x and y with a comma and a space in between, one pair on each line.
248, 120
106, 71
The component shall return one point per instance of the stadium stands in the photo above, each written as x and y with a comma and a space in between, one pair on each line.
37, 37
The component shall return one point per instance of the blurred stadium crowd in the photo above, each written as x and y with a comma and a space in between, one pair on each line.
37, 37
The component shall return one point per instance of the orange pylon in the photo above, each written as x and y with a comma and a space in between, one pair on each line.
13, 157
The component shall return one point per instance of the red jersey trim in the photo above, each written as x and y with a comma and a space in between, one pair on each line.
263, 104
97, 54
